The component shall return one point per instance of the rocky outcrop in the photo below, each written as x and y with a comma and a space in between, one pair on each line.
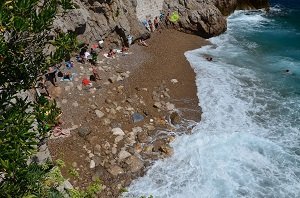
114, 20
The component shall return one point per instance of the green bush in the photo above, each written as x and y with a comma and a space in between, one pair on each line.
24, 34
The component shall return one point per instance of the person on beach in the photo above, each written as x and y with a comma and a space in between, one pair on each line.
95, 73
111, 53
156, 23
94, 56
51, 75
151, 25
143, 42
124, 49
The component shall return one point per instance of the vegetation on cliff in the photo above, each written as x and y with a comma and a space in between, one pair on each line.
24, 122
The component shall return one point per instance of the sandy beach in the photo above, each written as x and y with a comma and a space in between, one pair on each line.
127, 119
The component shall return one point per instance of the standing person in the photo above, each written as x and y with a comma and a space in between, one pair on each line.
51, 75
156, 23
94, 56
151, 25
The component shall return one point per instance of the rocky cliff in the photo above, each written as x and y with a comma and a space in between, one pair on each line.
114, 20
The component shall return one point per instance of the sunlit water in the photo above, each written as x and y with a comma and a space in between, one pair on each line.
248, 142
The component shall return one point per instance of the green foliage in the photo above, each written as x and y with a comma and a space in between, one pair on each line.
73, 172
60, 163
24, 35
90, 192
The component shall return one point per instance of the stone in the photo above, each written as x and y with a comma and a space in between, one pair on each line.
118, 139
135, 164
75, 104
123, 154
174, 81
92, 164
97, 148
115, 170
143, 137
117, 131
170, 106
91, 155
99, 113
157, 105
175, 118
84, 131
42, 155
137, 130
97, 160
68, 185
114, 150
137, 117
108, 101
64, 101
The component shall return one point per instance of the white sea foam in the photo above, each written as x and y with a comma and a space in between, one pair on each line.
243, 146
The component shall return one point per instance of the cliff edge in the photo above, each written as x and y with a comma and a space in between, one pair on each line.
94, 20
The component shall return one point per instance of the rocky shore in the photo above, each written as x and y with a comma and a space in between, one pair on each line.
125, 121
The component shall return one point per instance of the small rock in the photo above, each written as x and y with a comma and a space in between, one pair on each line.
123, 155
137, 117
174, 81
118, 139
114, 150
92, 164
97, 148
75, 104
67, 185
138, 148
91, 155
74, 164
157, 105
135, 164
170, 106
115, 170
175, 118
117, 131
84, 131
64, 101
137, 130
99, 113
143, 137
108, 101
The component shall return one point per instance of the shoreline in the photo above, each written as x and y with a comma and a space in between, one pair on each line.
155, 82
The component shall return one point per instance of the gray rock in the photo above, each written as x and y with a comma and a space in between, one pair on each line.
115, 170
123, 154
68, 185
118, 139
84, 131
99, 113
92, 164
175, 118
143, 137
134, 163
170, 106
157, 105
117, 131
137, 117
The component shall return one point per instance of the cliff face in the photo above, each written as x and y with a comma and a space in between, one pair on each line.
116, 19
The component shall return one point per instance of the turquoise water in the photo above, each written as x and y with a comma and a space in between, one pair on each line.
248, 142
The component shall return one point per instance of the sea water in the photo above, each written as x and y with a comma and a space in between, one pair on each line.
248, 141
